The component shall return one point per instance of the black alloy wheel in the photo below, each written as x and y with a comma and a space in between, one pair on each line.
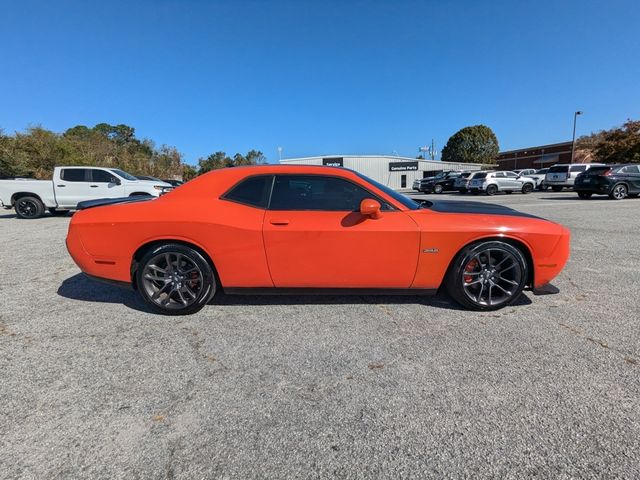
487, 275
29, 207
618, 192
492, 190
175, 279
527, 188
438, 189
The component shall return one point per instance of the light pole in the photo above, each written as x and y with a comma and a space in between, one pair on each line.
280, 154
573, 141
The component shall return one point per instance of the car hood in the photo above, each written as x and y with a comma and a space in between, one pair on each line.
478, 208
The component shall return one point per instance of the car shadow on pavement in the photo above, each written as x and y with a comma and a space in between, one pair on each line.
9, 215
596, 198
80, 287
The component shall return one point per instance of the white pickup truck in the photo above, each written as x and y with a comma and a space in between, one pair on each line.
71, 185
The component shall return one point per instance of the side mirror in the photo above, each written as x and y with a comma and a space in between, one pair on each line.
370, 208
116, 181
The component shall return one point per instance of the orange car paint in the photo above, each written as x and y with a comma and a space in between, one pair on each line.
252, 247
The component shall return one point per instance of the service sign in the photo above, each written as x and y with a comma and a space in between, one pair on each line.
332, 162
403, 166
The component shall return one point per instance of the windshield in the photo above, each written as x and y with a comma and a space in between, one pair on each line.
403, 199
122, 174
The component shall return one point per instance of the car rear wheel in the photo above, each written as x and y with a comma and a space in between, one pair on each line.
175, 279
584, 195
618, 192
527, 188
492, 190
29, 207
487, 275
556, 188
438, 189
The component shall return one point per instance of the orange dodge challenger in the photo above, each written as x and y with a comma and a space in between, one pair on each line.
305, 229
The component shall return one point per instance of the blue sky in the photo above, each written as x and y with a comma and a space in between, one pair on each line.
320, 77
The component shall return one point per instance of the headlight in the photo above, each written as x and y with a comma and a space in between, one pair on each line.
159, 187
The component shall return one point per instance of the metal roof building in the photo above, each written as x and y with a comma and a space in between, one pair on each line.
393, 171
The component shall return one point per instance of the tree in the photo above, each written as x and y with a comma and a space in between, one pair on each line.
617, 145
475, 144
222, 160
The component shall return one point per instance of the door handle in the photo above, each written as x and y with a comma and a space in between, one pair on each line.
60, 186
279, 221
93, 186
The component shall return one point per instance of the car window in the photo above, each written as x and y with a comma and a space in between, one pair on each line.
499, 175
559, 169
510, 174
253, 191
102, 176
74, 174
630, 169
578, 168
317, 192
123, 174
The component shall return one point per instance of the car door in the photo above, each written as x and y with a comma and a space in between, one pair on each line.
632, 176
315, 236
511, 181
72, 186
104, 184
500, 180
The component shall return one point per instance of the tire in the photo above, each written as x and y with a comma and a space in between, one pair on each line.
618, 192
556, 188
189, 279
584, 195
527, 188
475, 272
492, 190
438, 189
29, 208
58, 213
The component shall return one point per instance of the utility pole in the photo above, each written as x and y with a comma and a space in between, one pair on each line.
280, 154
573, 141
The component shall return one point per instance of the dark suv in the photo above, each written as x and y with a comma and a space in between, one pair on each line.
617, 181
444, 181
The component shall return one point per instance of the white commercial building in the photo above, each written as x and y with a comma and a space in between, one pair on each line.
395, 172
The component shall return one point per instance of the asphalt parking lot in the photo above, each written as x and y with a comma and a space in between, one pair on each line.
93, 386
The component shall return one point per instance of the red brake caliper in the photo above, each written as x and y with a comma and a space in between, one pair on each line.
471, 266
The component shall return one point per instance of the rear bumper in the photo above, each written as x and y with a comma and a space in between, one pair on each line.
592, 188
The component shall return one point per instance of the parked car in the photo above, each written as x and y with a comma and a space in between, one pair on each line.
525, 171
442, 182
564, 175
254, 227
538, 177
617, 181
501, 181
416, 184
462, 183
174, 183
71, 185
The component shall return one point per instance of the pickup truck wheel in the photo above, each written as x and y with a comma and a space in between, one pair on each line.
58, 213
29, 207
175, 279
527, 188
492, 190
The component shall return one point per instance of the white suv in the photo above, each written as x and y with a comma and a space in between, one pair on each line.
564, 174
503, 181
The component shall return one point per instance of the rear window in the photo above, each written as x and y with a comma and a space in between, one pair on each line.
578, 168
73, 174
598, 170
480, 175
253, 191
466, 175
559, 169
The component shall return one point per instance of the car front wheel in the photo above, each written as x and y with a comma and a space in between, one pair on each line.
175, 279
492, 190
527, 188
487, 275
438, 189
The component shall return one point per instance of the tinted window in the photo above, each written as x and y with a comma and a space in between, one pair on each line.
316, 192
102, 176
398, 197
499, 175
252, 191
598, 170
123, 174
73, 174
480, 175
559, 169
578, 168
542, 170
510, 174
630, 169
